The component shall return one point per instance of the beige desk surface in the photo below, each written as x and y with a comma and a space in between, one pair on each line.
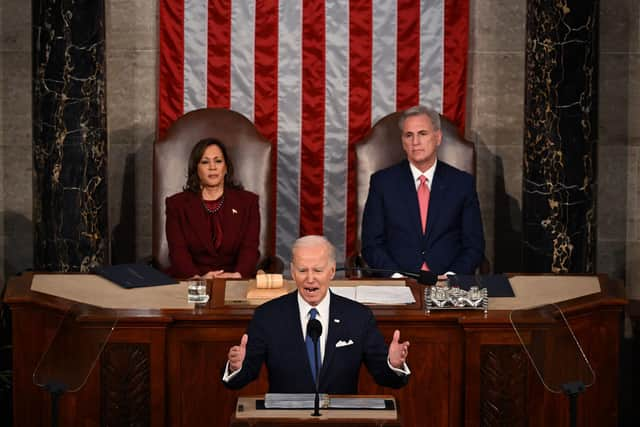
91, 289
248, 405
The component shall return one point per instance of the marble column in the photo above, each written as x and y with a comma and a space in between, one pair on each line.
69, 135
559, 171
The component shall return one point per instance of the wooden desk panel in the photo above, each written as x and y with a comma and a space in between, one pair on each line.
162, 367
250, 417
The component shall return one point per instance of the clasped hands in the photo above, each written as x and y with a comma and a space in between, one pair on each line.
397, 355
219, 274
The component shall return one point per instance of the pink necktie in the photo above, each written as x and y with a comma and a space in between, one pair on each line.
423, 201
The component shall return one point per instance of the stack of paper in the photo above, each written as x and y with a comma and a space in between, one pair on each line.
356, 403
376, 294
293, 400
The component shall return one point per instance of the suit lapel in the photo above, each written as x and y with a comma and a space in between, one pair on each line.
200, 222
295, 330
408, 188
293, 318
436, 197
334, 324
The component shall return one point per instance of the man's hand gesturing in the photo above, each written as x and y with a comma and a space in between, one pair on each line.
237, 353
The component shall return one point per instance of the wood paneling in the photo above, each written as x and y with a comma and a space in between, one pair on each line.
467, 369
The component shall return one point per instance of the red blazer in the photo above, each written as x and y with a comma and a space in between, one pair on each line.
191, 249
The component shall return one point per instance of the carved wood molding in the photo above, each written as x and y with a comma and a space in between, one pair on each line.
503, 389
125, 385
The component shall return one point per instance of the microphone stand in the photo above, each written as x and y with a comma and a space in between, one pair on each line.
316, 400
426, 278
56, 390
572, 390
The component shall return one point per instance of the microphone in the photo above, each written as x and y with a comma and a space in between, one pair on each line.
423, 277
314, 330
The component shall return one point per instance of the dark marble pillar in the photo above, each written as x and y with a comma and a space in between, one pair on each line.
559, 175
69, 135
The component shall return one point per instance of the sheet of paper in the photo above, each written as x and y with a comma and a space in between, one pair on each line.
356, 403
385, 295
345, 291
294, 400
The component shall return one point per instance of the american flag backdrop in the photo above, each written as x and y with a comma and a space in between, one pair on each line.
313, 76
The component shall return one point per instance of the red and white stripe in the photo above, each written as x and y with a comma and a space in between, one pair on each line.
313, 76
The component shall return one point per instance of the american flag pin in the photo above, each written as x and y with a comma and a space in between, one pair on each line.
234, 211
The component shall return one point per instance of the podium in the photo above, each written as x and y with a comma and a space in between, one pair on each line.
176, 353
250, 412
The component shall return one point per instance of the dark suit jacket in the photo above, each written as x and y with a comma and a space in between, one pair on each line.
275, 338
392, 237
191, 249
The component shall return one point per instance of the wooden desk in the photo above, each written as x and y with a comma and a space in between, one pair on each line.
249, 416
467, 369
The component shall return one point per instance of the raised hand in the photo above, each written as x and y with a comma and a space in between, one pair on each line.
237, 353
398, 351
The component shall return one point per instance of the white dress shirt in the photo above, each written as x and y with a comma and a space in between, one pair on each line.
322, 317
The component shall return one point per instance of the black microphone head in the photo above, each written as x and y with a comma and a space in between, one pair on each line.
314, 329
427, 278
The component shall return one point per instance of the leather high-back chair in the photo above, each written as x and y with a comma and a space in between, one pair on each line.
382, 147
249, 151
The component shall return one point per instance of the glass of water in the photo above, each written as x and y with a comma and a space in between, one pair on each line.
197, 291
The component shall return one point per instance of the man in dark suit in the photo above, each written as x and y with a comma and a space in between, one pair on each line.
422, 214
277, 333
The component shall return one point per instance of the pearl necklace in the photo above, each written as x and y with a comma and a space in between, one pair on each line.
217, 208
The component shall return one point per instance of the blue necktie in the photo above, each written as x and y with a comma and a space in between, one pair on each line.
310, 350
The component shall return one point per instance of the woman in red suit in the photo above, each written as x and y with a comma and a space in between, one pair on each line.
213, 226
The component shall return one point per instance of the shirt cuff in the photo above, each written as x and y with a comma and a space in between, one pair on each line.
397, 276
229, 375
404, 371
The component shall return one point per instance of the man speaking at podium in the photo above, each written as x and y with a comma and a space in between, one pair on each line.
277, 335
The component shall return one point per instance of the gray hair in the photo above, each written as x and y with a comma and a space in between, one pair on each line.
419, 110
315, 240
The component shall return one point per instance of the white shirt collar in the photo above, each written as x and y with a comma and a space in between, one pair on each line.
428, 173
322, 316
323, 311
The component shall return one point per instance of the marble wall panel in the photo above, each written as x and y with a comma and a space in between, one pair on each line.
612, 210
496, 98
633, 194
619, 31
632, 276
15, 25
495, 117
16, 229
16, 208
497, 25
612, 258
613, 105
131, 25
502, 215
70, 145
15, 99
612, 203
619, 168
633, 113
132, 109
132, 87
633, 270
